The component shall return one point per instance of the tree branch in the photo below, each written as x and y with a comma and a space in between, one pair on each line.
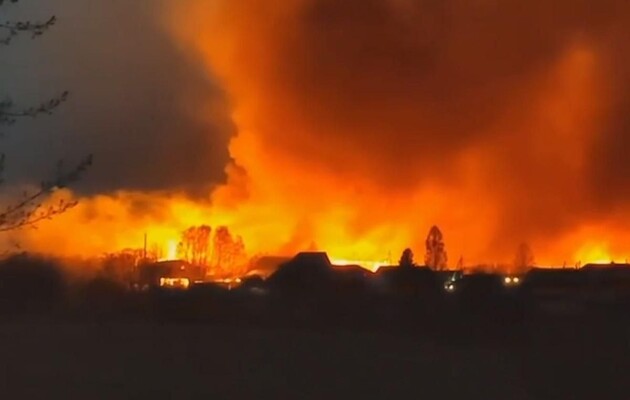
8, 114
27, 212
35, 29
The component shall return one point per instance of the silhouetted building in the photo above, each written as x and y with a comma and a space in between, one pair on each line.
265, 266
415, 280
479, 287
449, 275
612, 269
174, 273
351, 279
305, 273
551, 285
606, 282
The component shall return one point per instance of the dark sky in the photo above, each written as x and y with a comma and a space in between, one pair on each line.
135, 101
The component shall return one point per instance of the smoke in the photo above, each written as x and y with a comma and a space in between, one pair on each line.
350, 126
152, 120
502, 122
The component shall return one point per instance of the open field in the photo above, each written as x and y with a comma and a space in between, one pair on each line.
178, 361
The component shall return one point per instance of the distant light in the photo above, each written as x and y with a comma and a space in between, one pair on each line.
511, 280
178, 283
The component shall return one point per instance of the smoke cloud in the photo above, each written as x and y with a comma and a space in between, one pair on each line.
501, 121
351, 126
152, 120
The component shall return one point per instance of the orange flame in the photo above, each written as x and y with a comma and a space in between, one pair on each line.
286, 192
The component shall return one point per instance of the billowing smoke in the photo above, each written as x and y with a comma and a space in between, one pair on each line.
152, 120
501, 121
359, 124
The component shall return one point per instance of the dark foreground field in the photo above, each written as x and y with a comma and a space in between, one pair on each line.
147, 360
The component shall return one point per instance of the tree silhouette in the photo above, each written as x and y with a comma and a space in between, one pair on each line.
228, 253
30, 208
11, 29
524, 258
120, 266
194, 245
406, 259
184, 247
435, 257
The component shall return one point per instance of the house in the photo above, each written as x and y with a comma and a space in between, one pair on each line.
606, 283
415, 280
480, 286
265, 266
173, 273
304, 273
552, 282
351, 278
554, 290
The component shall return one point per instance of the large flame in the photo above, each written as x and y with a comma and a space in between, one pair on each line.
350, 141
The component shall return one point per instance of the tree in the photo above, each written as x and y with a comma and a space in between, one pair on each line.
184, 247
524, 258
435, 257
30, 208
239, 256
228, 253
12, 29
121, 266
406, 259
194, 245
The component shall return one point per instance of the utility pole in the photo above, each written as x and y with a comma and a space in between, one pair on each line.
144, 251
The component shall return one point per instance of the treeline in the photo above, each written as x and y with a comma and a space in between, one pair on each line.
33, 285
218, 250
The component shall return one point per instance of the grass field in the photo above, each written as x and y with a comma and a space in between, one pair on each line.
176, 361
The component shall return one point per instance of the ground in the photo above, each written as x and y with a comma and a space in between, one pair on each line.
147, 360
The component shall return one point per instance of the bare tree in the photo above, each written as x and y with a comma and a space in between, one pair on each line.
435, 257
239, 256
524, 258
121, 265
34, 29
228, 253
30, 208
194, 245
406, 259
221, 251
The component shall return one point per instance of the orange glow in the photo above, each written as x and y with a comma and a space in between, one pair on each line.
175, 283
596, 253
171, 250
367, 264
301, 180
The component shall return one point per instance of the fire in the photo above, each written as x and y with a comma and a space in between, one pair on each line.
367, 264
597, 253
171, 250
358, 153
176, 283
341, 171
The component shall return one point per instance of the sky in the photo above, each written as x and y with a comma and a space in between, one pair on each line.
135, 103
353, 126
